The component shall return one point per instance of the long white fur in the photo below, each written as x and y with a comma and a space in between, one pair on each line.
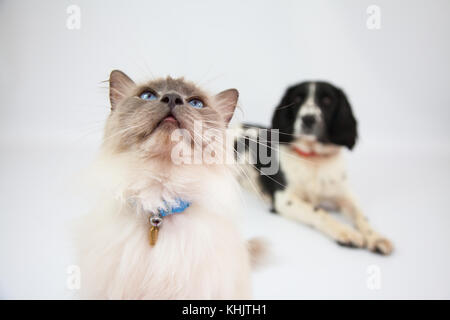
199, 254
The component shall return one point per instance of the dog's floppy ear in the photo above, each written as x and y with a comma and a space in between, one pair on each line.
283, 118
343, 128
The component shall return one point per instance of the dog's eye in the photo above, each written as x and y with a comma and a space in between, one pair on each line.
298, 99
196, 103
148, 95
326, 100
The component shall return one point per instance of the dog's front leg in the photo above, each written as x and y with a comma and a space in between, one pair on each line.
374, 241
289, 205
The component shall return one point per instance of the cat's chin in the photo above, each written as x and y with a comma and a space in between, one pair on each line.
160, 142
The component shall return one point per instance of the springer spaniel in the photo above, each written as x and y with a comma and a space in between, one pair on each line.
315, 123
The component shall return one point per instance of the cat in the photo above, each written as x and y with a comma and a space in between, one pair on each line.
127, 248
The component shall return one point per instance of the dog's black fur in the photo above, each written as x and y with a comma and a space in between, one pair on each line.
340, 124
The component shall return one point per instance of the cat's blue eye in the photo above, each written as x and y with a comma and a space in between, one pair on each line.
196, 103
148, 95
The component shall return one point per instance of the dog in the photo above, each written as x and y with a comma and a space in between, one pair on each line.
315, 122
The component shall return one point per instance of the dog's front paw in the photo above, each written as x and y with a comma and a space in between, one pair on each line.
379, 244
349, 237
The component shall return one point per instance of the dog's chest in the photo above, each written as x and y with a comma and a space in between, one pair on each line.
313, 179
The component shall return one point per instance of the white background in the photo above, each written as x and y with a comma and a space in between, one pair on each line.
53, 105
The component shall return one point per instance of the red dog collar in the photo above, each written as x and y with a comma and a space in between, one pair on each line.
302, 153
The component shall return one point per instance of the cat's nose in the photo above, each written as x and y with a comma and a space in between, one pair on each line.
172, 99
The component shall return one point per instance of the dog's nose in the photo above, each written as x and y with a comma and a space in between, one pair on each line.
172, 99
308, 121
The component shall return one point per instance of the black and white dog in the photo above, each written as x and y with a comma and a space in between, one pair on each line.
315, 122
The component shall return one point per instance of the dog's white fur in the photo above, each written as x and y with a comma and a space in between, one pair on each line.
324, 186
199, 254
314, 186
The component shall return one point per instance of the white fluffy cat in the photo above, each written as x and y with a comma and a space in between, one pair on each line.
199, 252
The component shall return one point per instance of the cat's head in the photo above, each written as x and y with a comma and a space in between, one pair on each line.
144, 116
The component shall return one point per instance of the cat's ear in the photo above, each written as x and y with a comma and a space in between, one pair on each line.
119, 85
226, 103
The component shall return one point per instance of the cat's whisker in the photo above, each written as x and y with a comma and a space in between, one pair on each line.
254, 187
278, 150
240, 170
123, 131
290, 105
268, 176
